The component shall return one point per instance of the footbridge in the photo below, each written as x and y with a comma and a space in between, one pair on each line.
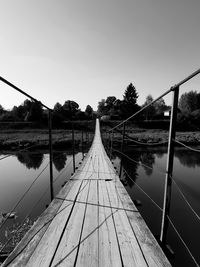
91, 222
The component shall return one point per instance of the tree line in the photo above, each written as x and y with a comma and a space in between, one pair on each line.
30, 111
122, 109
111, 107
188, 108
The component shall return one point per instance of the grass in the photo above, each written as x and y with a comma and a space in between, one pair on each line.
19, 139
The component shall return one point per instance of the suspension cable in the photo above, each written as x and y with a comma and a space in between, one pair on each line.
188, 147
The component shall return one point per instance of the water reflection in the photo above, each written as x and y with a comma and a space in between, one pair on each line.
147, 158
188, 158
59, 160
33, 160
30, 160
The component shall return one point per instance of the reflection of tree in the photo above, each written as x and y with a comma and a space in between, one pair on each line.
131, 169
188, 158
160, 154
30, 160
59, 160
147, 159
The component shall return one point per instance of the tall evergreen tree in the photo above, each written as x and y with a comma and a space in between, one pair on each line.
129, 105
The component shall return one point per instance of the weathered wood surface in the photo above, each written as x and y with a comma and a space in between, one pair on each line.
92, 222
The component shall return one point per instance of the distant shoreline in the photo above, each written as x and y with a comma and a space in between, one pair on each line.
38, 139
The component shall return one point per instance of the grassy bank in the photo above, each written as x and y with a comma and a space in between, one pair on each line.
39, 139
155, 137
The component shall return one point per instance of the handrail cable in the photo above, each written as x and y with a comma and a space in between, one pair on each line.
22, 197
164, 94
183, 242
24, 93
188, 147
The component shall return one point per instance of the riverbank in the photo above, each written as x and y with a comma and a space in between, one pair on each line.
155, 137
39, 139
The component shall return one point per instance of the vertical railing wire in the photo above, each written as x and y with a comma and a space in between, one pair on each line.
73, 148
111, 144
50, 155
122, 148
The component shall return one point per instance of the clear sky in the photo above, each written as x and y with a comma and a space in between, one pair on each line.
86, 50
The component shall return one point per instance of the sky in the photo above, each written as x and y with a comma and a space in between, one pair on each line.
87, 50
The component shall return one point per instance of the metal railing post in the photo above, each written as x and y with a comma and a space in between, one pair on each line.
169, 169
111, 144
50, 156
122, 148
73, 150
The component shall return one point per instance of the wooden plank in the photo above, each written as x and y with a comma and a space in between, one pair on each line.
150, 247
28, 244
45, 250
67, 250
109, 255
88, 248
129, 247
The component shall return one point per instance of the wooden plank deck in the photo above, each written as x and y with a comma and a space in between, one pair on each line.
91, 222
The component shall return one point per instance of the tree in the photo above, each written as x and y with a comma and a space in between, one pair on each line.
89, 112
58, 115
2, 110
129, 105
69, 109
160, 106
36, 112
130, 95
189, 101
101, 109
150, 111
57, 108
